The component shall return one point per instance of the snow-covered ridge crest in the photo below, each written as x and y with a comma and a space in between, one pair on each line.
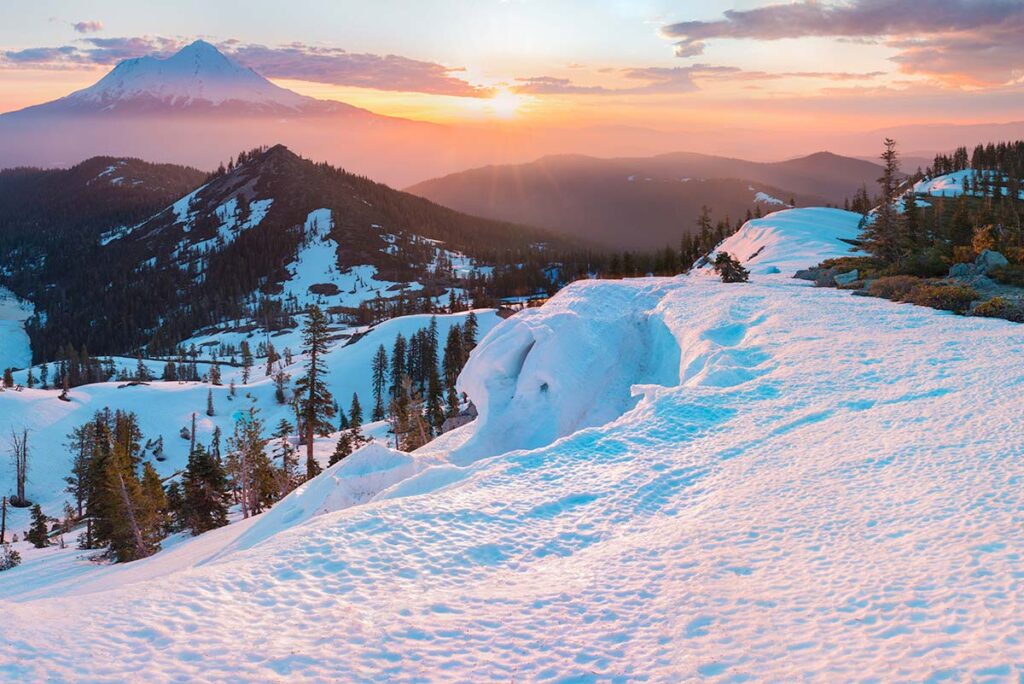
789, 240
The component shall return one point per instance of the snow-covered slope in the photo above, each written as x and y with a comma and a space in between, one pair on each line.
807, 485
952, 184
164, 408
196, 76
786, 241
15, 350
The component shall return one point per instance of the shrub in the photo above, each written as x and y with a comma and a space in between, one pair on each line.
956, 298
1000, 307
963, 254
869, 267
893, 287
730, 269
9, 558
1013, 274
932, 263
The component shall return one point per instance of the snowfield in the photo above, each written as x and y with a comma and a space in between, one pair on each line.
15, 349
670, 479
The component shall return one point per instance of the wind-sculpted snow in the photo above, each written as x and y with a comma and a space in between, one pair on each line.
550, 372
801, 485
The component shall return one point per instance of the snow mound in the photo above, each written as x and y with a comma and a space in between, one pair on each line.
531, 388
787, 241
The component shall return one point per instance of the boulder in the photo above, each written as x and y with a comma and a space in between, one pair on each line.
981, 282
807, 274
963, 270
826, 278
989, 260
847, 278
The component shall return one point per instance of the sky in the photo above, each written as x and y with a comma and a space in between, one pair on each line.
661, 64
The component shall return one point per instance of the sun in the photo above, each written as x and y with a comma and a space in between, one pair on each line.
505, 104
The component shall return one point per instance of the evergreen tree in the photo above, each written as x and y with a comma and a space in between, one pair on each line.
38, 533
284, 451
204, 498
280, 382
209, 403
355, 414
729, 269
380, 375
397, 364
247, 362
883, 234
343, 448
454, 355
317, 407
435, 410
471, 327
215, 373
154, 508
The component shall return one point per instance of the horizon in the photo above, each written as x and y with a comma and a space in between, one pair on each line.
510, 65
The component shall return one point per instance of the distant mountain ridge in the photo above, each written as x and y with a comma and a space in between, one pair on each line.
253, 245
644, 202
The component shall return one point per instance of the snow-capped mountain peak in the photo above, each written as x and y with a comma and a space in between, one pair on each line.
198, 76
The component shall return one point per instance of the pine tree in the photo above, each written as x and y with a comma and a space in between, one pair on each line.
398, 363
454, 355
470, 330
343, 449
435, 410
247, 362
380, 375
272, 357
355, 414
38, 533
215, 373
154, 509
284, 451
141, 372
883, 235
209, 403
316, 406
729, 269
204, 504
280, 383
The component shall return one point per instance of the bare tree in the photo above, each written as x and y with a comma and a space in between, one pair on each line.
19, 454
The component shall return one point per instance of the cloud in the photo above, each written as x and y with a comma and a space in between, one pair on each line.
956, 40
336, 66
665, 80
87, 26
298, 61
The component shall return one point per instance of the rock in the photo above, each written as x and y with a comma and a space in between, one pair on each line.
962, 270
826, 278
847, 278
807, 274
981, 282
989, 260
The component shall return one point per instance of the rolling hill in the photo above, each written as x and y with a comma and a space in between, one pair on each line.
644, 203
